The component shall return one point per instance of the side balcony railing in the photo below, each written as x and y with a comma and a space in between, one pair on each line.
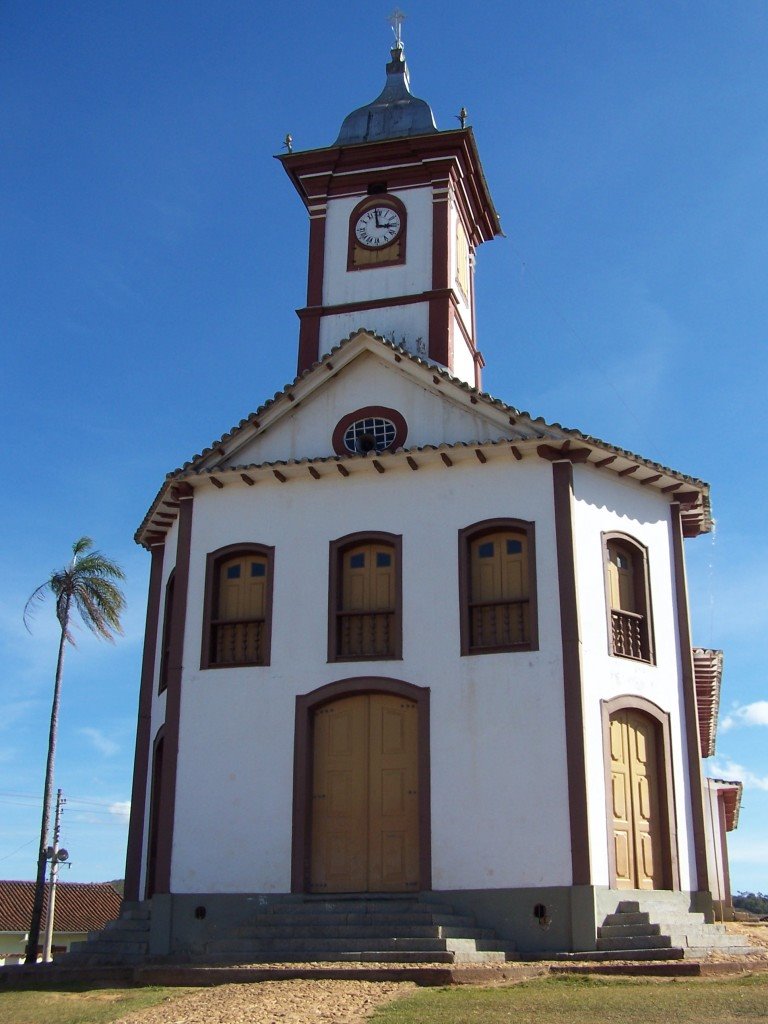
365, 634
499, 623
629, 635
238, 641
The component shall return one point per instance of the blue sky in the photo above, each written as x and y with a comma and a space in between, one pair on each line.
154, 254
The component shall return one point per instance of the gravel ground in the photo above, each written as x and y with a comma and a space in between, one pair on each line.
275, 1002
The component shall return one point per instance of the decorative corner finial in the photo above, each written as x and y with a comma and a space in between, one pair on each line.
462, 116
396, 20
288, 142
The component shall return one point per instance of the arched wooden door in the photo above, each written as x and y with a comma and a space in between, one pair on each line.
638, 838
364, 819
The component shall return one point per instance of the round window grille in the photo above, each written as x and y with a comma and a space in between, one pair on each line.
372, 434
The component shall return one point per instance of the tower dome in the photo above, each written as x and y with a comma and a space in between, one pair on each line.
392, 115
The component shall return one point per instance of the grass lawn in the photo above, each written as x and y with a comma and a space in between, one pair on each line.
78, 1004
590, 1000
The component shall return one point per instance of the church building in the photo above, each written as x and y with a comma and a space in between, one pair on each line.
406, 644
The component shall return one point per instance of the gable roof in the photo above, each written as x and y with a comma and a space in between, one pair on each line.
731, 792
80, 906
522, 429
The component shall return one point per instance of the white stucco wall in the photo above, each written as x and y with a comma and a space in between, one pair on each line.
463, 302
463, 362
604, 502
406, 325
499, 789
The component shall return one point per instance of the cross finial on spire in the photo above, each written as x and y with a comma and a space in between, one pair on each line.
396, 20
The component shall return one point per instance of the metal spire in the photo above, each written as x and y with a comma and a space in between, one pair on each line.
396, 20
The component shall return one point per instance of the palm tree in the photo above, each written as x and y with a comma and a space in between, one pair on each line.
87, 586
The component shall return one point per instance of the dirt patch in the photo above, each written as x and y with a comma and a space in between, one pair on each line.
275, 1002
755, 931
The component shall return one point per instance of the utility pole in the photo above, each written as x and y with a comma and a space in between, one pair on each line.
56, 856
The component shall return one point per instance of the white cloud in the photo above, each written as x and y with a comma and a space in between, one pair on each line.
746, 714
121, 810
730, 770
102, 743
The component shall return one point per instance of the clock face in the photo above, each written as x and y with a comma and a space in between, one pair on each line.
377, 226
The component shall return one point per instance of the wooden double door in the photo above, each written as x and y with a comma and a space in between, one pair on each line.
364, 823
638, 839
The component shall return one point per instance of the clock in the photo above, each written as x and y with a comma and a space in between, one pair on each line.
377, 230
378, 226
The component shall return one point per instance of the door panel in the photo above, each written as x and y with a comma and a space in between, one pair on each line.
339, 796
365, 796
637, 836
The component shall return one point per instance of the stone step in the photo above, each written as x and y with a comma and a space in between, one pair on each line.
324, 931
628, 907
701, 952
128, 924
118, 936
606, 931
339, 919
347, 945
101, 960
134, 912
323, 956
469, 954
665, 919
628, 918
118, 949
354, 905
699, 937
669, 953
635, 942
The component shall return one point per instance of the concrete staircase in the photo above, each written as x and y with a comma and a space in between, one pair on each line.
124, 941
675, 933
369, 930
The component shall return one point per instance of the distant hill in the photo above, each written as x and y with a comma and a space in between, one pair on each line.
118, 884
755, 902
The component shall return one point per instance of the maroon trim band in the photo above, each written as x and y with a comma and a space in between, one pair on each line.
141, 756
167, 802
562, 478
693, 748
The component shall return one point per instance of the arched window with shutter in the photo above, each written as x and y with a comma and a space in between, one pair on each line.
497, 585
365, 615
628, 598
238, 606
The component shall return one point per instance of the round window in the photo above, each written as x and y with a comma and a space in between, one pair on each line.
371, 429
373, 434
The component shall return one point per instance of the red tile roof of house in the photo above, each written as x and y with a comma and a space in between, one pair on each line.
80, 906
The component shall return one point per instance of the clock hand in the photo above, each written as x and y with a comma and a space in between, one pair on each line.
376, 218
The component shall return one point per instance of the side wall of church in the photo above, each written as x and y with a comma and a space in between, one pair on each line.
605, 503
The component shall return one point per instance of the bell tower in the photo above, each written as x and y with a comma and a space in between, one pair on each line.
396, 210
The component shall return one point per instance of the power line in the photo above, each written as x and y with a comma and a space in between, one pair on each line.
18, 849
70, 799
